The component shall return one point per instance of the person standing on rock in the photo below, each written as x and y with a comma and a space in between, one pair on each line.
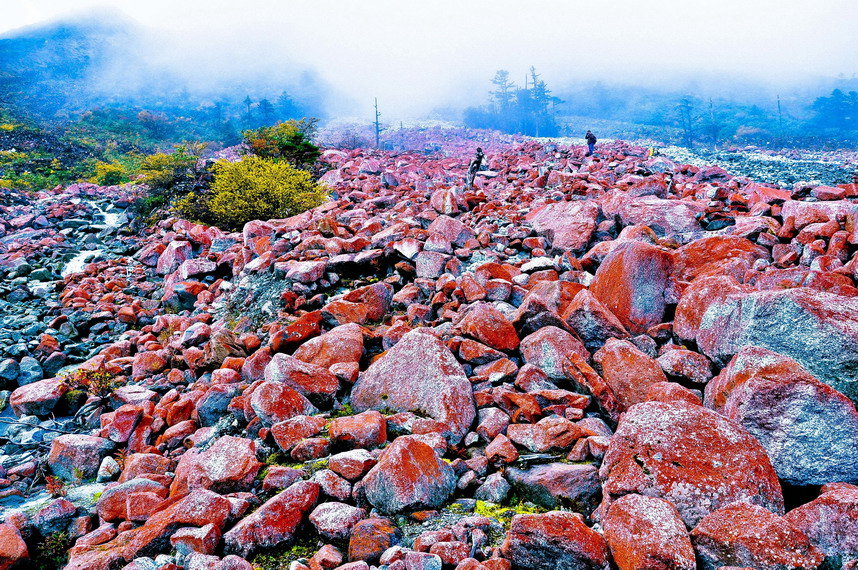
591, 142
474, 166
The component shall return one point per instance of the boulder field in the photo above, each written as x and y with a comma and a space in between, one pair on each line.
581, 362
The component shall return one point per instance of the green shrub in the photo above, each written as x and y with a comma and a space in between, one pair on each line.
109, 173
164, 171
289, 140
254, 188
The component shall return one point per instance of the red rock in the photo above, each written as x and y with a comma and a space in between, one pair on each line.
419, 374
805, 213
690, 456
13, 549
547, 434
77, 456
173, 256
489, 326
450, 553
274, 402
501, 450
627, 371
554, 540
366, 430
646, 532
113, 504
341, 344
311, 448
140, 464
278, 478
686, 365
147, 364
352, 465
717, 255
227, 466
289, 432
548, 349
306, 271
275, 522
203, 540
666, 217
696, 300
333, 485
311, 380
37, 398
334, 521
742, 534
809, 430
568, 225
371, 537
671, 392
408, 476
634, 283
593, 322
451, 229
305, 327
444, 201
558, 484
829, 522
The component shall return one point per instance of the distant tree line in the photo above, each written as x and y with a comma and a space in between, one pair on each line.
528, 110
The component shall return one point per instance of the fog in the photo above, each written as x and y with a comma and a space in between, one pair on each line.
416, 57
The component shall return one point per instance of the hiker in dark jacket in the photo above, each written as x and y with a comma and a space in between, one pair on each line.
591, 143
474, 166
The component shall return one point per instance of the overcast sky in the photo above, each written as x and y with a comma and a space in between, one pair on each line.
411, 54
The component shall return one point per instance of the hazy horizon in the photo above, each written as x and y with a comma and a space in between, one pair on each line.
425, 56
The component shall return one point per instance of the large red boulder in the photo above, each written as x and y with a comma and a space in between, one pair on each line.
635, 283
628, 371
488, 325
275, 522
419, 374
548, 349
366, 430
275, 402
371, 537
829, 521
746, 535
666, 217
646, 532
409, 476
691, 456
318, 384
569, 226
13, 549
717, 255
554, 541
816, 328
809, 430
38, 398
341, 344
227, 466
592, 320
77, 456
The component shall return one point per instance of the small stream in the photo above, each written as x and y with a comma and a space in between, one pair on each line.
79, 261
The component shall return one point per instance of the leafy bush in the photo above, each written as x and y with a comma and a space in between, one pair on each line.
253, 188
289, 140
164, 171
109, 173
97, 382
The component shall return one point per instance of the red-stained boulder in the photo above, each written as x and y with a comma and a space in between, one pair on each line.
77, 456
690, 456
809, 430
173, 256
453, 230
141, 464
419, 374
829, 522
366, 430
568, 225
275, 522
804, 213
627, 371
13, 549
717, 255
353, 464
685, 365
634, 282
147, 364
553, 541
488, 325
275, 402
666, 217
816, 328
289, 432
334, 521
742, 534
318, 384
548, 349
306, 326
38, 398
341, 344
113, 505
552, 433
592, 321
671, 392
371, 537
227, 466
646, 532
409, 476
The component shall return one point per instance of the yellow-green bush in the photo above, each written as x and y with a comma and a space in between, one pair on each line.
255, 188
109, 173
163, 170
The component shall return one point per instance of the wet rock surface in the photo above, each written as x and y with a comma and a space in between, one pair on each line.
579, 362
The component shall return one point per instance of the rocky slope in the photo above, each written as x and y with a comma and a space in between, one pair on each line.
583, 362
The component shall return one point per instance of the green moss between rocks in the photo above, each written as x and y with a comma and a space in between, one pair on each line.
282, 557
